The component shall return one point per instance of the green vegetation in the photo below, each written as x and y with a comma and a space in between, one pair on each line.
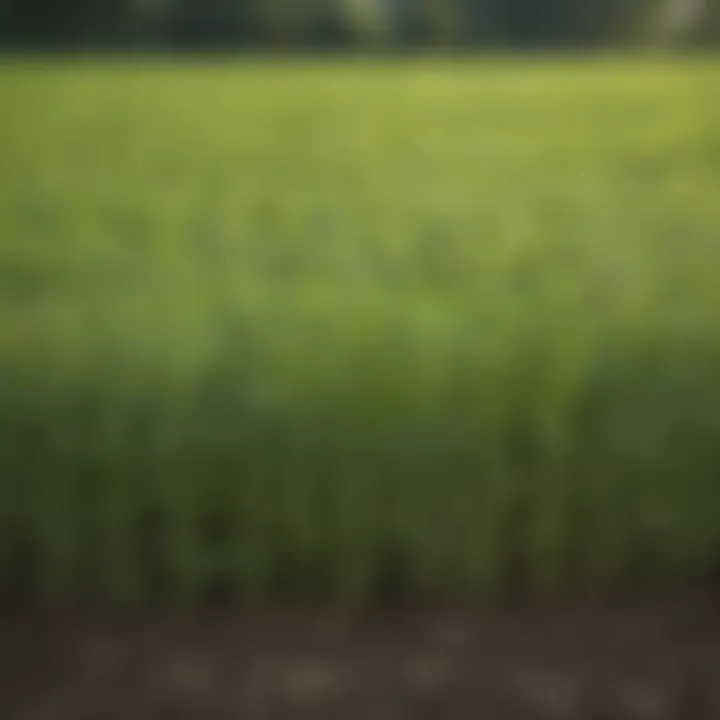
338, 24
306, 328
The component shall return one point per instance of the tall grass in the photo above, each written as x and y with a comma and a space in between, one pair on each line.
274, 329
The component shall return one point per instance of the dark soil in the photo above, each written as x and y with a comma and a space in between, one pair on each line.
655, 660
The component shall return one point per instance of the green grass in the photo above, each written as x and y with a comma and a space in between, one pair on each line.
304, 328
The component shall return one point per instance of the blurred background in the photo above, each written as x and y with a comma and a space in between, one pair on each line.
294, 24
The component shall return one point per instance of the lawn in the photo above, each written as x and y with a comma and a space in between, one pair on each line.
336, 327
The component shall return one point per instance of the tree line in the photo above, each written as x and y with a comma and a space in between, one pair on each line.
229, 24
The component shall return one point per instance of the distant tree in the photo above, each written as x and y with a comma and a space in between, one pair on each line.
694, 22
442, 21
682, 17
45, 22
144, 21
368, 22
206, 23
287, 23
283, 23
480, 20
550, 22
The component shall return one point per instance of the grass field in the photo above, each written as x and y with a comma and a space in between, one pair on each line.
276, 327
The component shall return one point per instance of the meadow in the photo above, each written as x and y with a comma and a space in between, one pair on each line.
330, 329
